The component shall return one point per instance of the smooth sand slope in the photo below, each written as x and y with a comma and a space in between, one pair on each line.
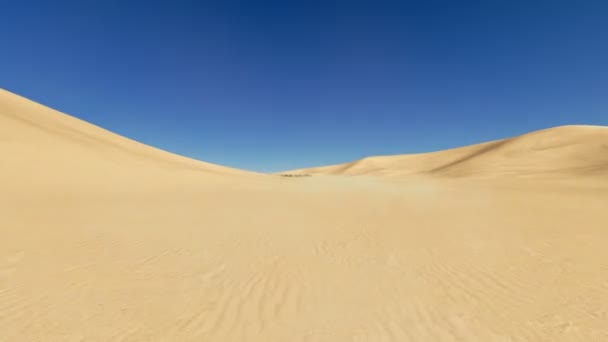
105, 239
556, 152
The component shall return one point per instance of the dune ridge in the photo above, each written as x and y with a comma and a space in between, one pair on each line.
106, 239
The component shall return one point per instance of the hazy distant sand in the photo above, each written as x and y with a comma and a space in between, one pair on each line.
105, 239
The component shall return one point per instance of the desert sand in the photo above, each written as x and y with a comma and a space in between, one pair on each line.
106, 239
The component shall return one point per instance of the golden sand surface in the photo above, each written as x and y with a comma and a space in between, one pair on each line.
106, 239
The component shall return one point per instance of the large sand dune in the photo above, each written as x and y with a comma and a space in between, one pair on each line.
105, 239
559, 151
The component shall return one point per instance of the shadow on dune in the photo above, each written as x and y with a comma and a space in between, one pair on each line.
491, 146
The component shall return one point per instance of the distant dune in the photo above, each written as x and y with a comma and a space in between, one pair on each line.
564, 150
106, 239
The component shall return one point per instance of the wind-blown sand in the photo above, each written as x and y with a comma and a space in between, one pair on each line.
106, 239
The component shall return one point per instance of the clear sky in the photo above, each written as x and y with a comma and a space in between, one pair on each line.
272, 85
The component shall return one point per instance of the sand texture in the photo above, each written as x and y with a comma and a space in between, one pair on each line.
105, 239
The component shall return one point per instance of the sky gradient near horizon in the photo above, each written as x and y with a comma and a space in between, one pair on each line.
276, 85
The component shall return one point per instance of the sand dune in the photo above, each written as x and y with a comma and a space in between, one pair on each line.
106, 239
559, 151
41, 147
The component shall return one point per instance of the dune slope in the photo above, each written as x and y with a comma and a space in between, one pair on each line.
559, 151
105, 239
42, 147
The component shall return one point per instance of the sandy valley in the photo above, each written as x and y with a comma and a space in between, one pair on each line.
106, 239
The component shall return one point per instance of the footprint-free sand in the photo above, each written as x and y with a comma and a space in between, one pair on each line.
106, 239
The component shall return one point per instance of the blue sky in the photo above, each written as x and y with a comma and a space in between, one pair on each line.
272, 85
